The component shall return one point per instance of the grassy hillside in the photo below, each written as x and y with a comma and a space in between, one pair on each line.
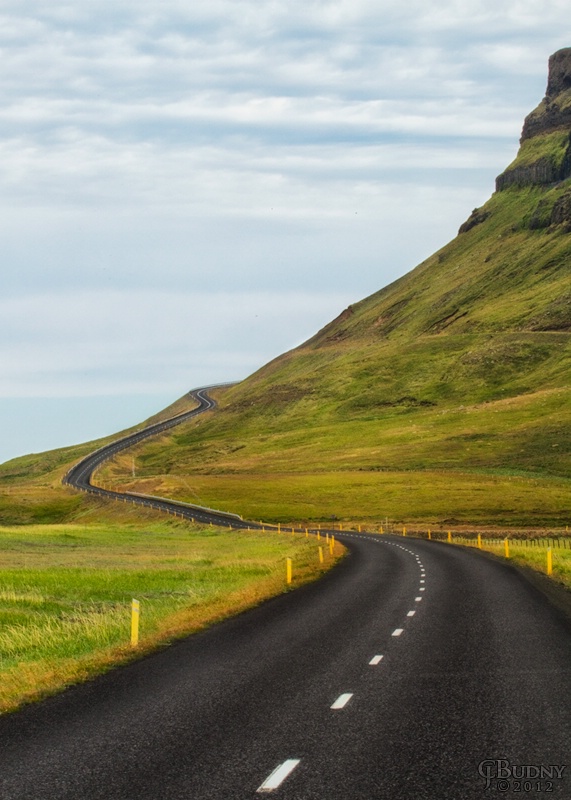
446, 395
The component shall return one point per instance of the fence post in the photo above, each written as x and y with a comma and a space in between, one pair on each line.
135, 608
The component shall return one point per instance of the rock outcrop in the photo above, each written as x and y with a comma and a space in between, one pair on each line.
476, 218
554, 111
545, 153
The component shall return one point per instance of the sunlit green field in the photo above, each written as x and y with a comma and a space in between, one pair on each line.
66, 590
434, 497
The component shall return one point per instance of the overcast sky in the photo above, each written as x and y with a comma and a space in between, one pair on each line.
188, 189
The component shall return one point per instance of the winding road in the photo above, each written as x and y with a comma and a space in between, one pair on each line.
413, 670
81, 474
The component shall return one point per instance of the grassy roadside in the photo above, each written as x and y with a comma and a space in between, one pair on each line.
525, 548
65, 592
532, 554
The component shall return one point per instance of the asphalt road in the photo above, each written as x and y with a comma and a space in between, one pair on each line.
80, 475
481, 672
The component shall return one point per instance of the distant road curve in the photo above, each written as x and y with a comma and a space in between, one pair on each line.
81, 474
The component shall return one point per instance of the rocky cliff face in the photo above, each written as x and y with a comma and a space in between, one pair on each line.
545, 153
554, 111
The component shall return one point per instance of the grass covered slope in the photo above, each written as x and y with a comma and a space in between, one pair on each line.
459, 372
65, 592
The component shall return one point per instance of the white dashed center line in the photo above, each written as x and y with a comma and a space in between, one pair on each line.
422, 580
342, 701
421, 589
397, 631
375, 660
411, 613
279, 775
417, 599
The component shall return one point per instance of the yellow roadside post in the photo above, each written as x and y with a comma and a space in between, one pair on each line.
549, 561
288, 570
318, 535
449, 536
381, 531
480, 541
134, 623
404, 531
306, 533
279, 527
359, 529
429, 536
506, 548
331, 545
320, 555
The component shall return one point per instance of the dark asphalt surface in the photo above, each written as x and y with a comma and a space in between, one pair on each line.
481, 671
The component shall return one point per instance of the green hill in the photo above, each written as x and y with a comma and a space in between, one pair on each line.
444, 396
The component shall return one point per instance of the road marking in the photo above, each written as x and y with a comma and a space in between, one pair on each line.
375, 660
411, 613
422, 580
342, 701
397, 631
421, 589
279, 775
417, 599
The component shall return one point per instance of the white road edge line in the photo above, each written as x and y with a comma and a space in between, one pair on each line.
279, 775
342, 701
397, 631
375, 660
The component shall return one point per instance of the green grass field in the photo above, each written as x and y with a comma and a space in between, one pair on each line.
65, 592
503, 462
